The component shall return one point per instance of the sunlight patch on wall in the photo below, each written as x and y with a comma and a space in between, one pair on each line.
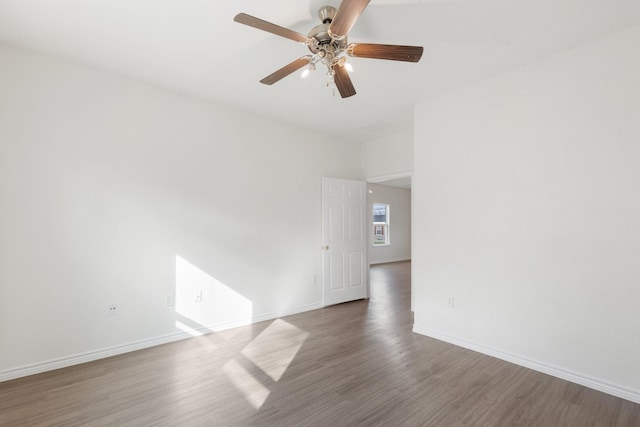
189, 330
205, 300
275, 348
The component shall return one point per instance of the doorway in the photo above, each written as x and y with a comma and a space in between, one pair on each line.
389, 215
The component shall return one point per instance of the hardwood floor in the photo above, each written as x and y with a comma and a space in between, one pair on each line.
351, 364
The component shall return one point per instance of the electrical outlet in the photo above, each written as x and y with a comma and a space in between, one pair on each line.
452, 302
112, 310
314, 279
170, 301
199, 296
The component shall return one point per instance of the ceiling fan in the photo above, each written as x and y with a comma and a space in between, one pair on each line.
328, 45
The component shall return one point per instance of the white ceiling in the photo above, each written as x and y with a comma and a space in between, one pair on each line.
194, 47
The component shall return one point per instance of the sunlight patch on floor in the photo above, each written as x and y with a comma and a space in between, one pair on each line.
271, 352
252, 389
275, 348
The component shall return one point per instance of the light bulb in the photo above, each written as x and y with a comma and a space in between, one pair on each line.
305, 73
349, 67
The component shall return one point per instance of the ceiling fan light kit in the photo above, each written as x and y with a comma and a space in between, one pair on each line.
328, 45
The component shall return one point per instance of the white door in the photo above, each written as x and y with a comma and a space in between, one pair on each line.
344, 246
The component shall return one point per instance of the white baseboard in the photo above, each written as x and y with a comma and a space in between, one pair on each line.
63, 362
612, 389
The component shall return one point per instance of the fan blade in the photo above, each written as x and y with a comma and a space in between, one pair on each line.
343, 81
385, 51
286, 70
258, 23
347, 15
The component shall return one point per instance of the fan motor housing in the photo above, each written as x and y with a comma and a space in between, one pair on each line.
322, 40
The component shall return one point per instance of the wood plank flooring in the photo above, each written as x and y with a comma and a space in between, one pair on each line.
347, 365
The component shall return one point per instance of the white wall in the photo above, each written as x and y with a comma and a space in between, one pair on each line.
399, 200
115, 192
526, 211
388, 155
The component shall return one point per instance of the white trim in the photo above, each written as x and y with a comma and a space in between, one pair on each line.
584, 380
63, 362
388, 260
383, 178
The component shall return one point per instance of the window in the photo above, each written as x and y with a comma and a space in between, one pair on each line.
380, 224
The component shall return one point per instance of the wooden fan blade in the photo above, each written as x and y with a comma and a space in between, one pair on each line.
286, 70
343, 81
258, 23
347, 15
385, 51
